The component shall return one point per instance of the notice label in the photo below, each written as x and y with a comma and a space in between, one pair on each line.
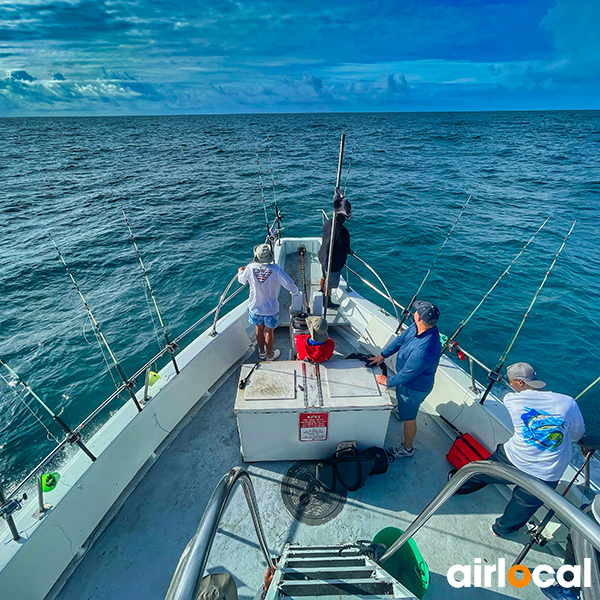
313, 427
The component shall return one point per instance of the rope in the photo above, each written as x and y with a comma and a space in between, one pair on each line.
18, 396
302, 253
349, 165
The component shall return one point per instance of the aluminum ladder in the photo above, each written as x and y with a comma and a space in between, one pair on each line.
331, 573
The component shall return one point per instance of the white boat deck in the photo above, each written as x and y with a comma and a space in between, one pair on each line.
135, 557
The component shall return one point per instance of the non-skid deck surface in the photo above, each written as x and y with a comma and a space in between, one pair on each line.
135, 557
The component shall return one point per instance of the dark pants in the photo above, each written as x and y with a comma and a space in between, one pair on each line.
521, 506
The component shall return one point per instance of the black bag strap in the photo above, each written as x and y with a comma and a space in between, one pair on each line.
338, 477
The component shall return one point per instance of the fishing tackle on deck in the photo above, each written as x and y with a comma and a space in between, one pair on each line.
495, 375
171, 348
449, 343
406, 311
128, 384
74, 438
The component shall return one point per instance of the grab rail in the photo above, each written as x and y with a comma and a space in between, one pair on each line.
190, 569
568, 514
221, 302
389, 296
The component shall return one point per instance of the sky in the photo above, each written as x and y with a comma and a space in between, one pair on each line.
109, 57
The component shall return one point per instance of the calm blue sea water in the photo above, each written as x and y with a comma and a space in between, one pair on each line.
190, 186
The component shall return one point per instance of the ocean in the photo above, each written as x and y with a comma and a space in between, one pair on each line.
191, 190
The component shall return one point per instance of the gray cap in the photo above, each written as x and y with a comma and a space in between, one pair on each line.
317, 327
217, 586
525, 372
263, 254
428, 312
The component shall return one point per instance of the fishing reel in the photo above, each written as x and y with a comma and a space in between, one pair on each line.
11, 506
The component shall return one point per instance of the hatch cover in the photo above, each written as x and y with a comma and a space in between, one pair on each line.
350, 379
271, 382
306, 499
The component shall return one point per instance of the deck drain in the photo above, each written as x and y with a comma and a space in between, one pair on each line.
306, 499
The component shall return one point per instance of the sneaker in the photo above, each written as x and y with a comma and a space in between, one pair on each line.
276, 354
557, 592
400, 451
262, 355
504, 536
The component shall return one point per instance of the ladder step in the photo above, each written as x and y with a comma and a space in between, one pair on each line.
340, 561
324, 553
360, 587
326, 574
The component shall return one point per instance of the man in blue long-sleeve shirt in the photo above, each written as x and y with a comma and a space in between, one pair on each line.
419, 350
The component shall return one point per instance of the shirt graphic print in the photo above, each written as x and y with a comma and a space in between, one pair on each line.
262, 274
542, 430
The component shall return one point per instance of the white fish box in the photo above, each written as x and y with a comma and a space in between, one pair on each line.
292, 410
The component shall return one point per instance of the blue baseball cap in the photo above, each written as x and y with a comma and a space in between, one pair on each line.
428, 312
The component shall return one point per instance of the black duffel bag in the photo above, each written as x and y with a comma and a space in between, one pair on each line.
347, 469
382, 457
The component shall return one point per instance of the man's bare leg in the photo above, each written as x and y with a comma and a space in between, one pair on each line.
410, 431
260, 338
270, 339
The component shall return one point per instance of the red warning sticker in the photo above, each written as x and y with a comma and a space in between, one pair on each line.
313, 427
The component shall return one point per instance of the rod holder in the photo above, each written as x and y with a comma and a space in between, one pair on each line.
6, 511
42, 508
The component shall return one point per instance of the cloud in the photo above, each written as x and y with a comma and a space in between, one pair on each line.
22, 90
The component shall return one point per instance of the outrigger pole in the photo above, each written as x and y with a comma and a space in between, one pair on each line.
406, 311
128, 384
495, 375
451, 339
74, 438
170, 347
333, 223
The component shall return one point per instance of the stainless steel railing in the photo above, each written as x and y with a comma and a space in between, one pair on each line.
189, 571
222, 301
571, 516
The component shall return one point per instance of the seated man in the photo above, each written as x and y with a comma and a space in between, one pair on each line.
317, 346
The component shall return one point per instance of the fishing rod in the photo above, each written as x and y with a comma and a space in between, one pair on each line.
128, 384
262, 194
536, 534
170, 347
327, 291
74, 438
451, 339
349, 166
406, 311
278, 215
587, 389
495, 375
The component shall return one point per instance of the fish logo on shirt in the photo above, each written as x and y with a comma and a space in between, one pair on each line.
542, 430
262, 274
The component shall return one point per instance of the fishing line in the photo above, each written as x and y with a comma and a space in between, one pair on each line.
587, 389
262, 194
70, 435
127, 383
495, 375
406, 311
514, 260
171, 349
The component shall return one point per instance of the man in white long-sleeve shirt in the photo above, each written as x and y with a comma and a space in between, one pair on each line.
546, 425
264, 280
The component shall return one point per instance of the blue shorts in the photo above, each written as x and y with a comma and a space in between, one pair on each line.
409, 402
269, 321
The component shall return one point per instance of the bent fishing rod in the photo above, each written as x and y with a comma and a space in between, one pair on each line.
406, 311
262, 195
495, 375
278, 215
72, 437
126, 381
449, 342
171, 348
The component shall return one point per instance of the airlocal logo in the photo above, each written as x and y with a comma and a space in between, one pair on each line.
518, 576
